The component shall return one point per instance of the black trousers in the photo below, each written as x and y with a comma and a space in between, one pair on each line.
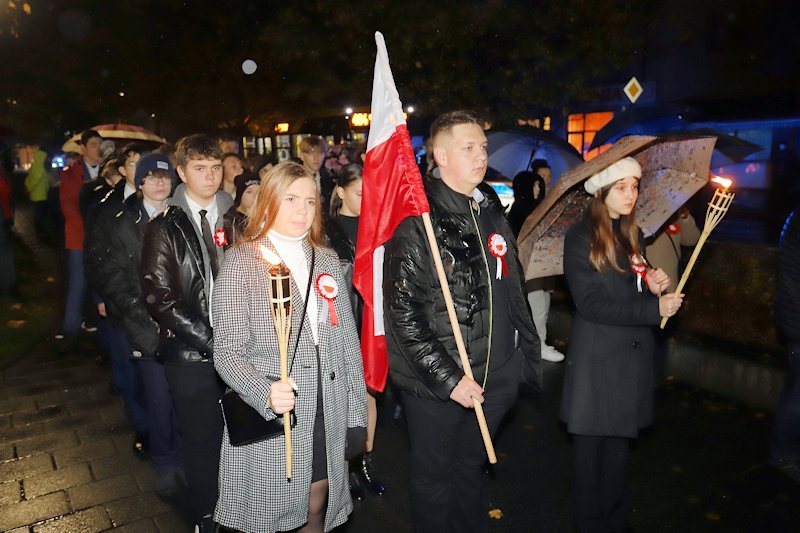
196, 389
600, 495
448, 455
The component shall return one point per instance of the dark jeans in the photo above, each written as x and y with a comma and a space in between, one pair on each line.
76, 293
196, 389
165, 438
600, 483
448, 455
785, 442
125, 375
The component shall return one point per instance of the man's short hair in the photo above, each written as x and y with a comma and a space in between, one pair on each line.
89, 134
127, 151
228, 137
197, 146
446, 122
312, 141
226, 155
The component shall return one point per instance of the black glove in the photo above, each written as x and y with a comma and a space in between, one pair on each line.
356, 440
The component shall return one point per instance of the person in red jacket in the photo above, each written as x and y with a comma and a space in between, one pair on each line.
72, 178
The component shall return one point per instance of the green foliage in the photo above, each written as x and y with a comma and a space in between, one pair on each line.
182, 62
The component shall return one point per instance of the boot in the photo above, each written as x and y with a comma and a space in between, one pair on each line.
368, 475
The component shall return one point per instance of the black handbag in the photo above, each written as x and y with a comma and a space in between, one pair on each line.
245, 424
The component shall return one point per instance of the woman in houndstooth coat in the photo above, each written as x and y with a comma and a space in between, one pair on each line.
326, 370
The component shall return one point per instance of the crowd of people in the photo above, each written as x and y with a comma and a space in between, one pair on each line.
169, 247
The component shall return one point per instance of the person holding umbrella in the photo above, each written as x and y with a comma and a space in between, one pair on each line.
608, 392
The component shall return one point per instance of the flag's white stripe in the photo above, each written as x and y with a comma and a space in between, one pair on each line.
377, 290
387, 110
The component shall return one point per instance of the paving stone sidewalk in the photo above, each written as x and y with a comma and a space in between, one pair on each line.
66, 463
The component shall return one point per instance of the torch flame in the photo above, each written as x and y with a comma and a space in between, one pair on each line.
269, 256
725, 182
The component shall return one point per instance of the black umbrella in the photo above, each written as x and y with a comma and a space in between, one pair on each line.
643, 120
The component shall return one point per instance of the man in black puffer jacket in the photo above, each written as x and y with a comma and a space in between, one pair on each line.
478, 251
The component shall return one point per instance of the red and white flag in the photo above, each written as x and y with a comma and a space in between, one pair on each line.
391, 191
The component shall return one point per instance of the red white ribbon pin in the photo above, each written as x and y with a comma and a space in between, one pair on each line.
220, 239
329, 290
639, 266
674, 228
498, 247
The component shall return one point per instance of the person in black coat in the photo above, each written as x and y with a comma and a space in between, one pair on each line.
784, 449
122, 292
235, 219
608, 392
342, 232
478, 252
529, 189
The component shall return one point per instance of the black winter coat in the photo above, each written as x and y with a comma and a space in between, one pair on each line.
608, 382
787, 297
174, 287
341, 243
234, 224
120, 284
423, 359
96, 241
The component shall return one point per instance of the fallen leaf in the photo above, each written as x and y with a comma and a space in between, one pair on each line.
51, 279
15, 307
713, 516
16, 324
496, 514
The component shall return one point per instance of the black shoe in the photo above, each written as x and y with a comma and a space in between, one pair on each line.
141, 445
367, 471
88, 327
206, 525
356, 489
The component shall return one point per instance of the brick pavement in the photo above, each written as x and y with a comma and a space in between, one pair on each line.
66, 463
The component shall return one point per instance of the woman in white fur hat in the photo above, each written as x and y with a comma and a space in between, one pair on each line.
608, 390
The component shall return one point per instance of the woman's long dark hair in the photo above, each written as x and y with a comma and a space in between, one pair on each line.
606, 243
347, 175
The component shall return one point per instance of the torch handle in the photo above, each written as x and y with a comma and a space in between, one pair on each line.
700, 242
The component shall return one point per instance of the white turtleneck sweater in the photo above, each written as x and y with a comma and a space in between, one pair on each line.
290, 249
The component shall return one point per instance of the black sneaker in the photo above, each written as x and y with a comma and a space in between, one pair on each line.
88, 327
368, 473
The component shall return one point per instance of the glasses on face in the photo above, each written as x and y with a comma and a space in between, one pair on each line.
131, 164
157, 179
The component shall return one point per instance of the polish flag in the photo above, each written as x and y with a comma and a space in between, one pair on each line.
391, 191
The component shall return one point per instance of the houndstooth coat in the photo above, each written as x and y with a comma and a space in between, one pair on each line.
254, 495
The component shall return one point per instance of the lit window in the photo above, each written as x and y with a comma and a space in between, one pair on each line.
581, 129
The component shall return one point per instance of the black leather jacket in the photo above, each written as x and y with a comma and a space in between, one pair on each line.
174, 283
423, 359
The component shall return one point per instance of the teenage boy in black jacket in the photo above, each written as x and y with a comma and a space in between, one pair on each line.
121, 290
180, 259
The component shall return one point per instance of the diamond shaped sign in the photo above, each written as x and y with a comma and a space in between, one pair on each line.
633, 90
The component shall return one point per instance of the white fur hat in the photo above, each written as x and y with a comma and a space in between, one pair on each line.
623, 168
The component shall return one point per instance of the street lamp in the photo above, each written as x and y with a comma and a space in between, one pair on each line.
410, 109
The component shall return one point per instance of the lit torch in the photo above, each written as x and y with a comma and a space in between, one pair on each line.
717, 208
280, 299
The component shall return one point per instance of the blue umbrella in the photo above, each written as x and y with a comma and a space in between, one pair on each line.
512, 151
643, 120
